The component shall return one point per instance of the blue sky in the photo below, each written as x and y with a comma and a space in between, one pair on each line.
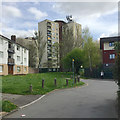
21, 18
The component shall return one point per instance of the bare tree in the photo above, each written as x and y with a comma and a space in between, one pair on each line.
40, 47
78, 40
67, 40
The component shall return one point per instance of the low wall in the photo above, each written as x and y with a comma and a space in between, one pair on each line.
33, 70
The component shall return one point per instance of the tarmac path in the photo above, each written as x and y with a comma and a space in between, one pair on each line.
95, 100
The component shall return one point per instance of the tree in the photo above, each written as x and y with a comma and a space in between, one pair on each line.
32, 50
117, 63
67, 40
40, 47
32, 55
91, 51
78, 40
78, 56
71, 39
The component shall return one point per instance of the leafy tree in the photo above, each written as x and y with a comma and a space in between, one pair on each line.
78, 56
91, 51
117, 63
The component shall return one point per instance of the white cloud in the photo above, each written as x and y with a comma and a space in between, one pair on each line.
86, 9
29, 24
90, 14
8, 31
38, 14
10, 11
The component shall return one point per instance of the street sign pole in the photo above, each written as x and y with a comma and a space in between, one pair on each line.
73, 69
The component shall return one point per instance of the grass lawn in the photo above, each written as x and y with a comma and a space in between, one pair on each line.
20, 84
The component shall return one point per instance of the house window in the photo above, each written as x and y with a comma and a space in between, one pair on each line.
112, 56
18, 69
9, 45
111, 44
53, 33
56, 38
18, 58
25, 60
1, 68
1, 54
24, 50
1, 41
18, 48
53, 38
25, 69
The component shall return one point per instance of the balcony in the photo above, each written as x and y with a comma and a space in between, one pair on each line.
11, 50
49, 28
49, 24
11, 61
49, 43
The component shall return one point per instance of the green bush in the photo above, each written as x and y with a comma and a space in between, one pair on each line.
7, 106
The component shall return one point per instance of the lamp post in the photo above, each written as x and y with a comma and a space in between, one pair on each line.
73, 69
81, 69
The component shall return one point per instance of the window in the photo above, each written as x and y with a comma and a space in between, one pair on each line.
53, 33
54, 69
56, 38
9, 56
9, 45
49, 70
24, 50
111, 44
18, 69
1, 54
1, 68
1, 41
57, 25
112, 56
25, 69
18, 58
25, 60
107, 65
53, 38
56, 33
18, 48
53, 42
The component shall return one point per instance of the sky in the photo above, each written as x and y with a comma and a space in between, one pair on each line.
21, 18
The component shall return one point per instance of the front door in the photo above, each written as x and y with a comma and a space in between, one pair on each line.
10, 69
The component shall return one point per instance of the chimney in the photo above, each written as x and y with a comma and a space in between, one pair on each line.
13, 38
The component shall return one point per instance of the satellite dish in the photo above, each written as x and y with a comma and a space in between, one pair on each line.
69, 18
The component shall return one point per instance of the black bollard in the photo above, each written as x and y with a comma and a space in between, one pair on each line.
75, 80
31, 88
67, 82
42, 83
78, 79
55, 82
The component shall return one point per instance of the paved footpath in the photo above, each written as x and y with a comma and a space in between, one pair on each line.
97, 100
20, 100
